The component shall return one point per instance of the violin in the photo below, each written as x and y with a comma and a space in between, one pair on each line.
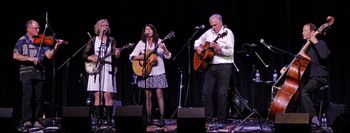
47, 40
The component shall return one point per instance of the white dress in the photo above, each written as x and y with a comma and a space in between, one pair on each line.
107, 78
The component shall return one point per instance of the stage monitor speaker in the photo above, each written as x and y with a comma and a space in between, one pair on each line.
292, 122
191, 120
6, 122
76, 119
130, 119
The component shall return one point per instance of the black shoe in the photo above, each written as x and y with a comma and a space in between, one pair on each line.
161, 123
149, 122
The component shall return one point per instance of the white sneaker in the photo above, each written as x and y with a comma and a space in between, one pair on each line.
27, 124
37, 124
315, 120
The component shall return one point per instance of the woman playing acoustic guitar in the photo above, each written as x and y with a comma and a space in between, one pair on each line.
156, 79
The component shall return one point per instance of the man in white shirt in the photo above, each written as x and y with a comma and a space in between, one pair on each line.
220, 40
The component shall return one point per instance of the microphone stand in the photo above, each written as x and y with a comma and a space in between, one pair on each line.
67, 61
81, 48
144, 63
252, 110
53, 78
145, 78
53, 93
67, 66
261, 60
180, 90
188, 69
100, 55
180, 86
273, 49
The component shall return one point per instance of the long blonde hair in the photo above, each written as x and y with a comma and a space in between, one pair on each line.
98, 24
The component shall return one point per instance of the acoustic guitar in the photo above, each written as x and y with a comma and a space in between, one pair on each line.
201, 61
93, 68
142, 68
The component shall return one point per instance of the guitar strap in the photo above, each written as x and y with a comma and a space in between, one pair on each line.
107, 44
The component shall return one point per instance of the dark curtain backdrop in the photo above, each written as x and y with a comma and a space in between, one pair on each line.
278, 22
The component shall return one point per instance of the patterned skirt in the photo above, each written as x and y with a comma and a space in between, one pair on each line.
156, 81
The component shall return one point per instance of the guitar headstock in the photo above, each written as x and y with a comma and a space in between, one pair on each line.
129, 45
169, 36
223, 34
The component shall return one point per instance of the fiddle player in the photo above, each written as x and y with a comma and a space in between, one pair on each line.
31, 72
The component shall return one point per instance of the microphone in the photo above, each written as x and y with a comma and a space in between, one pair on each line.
252, 45
265, 44
247, 45
89, 34
199, 27
47, 18
104, 32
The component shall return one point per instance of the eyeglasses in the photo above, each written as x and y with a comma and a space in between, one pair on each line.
36, 28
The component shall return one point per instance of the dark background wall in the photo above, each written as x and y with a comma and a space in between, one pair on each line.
279, 23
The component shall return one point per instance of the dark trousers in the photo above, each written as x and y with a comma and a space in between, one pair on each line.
311, 86
216, 84
29, 87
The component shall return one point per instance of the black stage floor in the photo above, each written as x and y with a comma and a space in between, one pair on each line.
249, 125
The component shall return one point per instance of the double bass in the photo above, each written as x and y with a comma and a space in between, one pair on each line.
293, 76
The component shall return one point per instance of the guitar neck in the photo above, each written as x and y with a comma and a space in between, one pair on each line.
112, 52
216, 39
154, 50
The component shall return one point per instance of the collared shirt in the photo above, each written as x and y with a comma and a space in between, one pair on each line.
226, 43
25, 47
